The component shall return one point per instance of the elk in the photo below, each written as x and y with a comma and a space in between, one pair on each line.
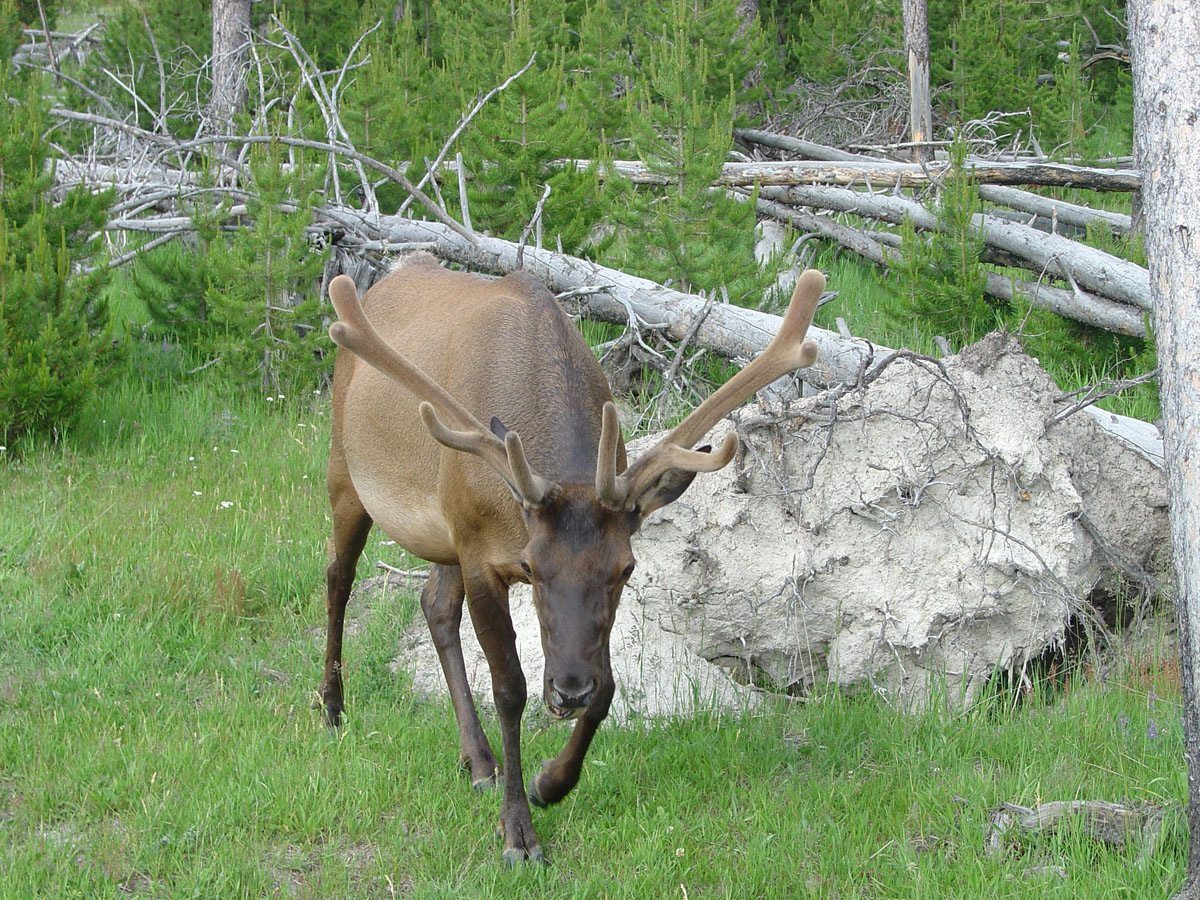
542, 494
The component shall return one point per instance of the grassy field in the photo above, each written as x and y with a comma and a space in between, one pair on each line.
161, 573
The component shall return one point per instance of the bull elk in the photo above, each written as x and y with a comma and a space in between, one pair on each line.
559, 516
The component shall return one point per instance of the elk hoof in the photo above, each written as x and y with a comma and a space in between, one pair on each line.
490, 783
331, 714
491, 779
535, 796
541, 795
526, 850
515, 856
329, 702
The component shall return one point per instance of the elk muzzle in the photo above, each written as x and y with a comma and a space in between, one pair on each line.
568, 697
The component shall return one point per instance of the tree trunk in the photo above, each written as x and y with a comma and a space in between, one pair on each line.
230, 34
916, 46
1164, 37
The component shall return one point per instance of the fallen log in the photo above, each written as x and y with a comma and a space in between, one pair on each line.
802, 148
1079, 305
1115, 824
883, 173
614, 296
1041, 223
1055, 210
1091, 269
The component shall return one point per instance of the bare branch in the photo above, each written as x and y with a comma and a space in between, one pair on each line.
1095, 392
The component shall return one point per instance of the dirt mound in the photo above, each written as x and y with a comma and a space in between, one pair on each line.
927, 527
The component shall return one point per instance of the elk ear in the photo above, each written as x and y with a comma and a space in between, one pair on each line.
669, 488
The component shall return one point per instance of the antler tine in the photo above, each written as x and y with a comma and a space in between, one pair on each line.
786, 352
354, 331
608, 484
664, 457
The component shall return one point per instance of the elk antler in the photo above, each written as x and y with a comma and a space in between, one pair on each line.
354, 332
787, 351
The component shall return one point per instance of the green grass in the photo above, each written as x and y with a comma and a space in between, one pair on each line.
162, 575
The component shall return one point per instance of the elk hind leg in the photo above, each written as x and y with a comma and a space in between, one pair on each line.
442, 603
351, 524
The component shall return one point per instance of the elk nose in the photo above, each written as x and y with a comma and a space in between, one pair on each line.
568, 695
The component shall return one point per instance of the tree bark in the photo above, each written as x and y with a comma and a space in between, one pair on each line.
230, 38
916, 46
1164, 39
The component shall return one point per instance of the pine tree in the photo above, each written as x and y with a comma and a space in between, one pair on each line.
55, 348
681, 120
248, 297
941, 271
599, 69
523, 129
403, 106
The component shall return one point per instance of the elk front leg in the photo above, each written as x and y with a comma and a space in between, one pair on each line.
442, 601
488, 597
351, 524
559, 775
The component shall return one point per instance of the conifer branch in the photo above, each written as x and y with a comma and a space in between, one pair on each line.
466, 120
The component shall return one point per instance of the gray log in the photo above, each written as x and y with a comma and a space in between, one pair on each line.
1059, 210
879, 173
1081, 306
1093, 270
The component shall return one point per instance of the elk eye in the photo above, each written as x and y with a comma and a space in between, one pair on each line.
525, 568
628, 571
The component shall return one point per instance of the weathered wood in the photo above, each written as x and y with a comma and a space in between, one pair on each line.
1041, 223
731, 331
802, 148
231, 48
1116, 824
1099, 312
1058, 210
916, 47
1092, 270
883, 174
1079, 305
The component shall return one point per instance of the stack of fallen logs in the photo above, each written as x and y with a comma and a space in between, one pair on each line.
1019, 228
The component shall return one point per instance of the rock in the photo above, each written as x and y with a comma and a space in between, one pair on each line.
910, 537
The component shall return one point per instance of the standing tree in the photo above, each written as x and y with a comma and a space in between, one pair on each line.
916, 51
1165, 43
55, 346
230, 40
